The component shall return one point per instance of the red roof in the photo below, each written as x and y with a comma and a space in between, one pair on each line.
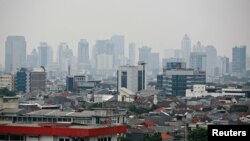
160, 109
61, 131
166, 136
149, 123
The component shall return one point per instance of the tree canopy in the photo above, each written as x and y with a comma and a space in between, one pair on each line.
6, 92
152, 137
198, 134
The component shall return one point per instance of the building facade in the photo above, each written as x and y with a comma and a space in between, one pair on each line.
132, 53
7, 81
239, 59
83, 54
132, 77
38, 80
176, 81
45, 54
186, 48
15, 53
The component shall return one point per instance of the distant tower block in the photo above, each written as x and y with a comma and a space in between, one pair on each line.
69, 69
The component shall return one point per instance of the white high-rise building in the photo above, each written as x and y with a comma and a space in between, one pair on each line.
132, 54
83, 54
186, 49
132, 77
15, 53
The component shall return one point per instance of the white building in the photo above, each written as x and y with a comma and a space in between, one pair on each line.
132, 77
186, 49
200, 91
7, 81
126, 95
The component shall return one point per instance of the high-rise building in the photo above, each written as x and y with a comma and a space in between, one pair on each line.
151, 59
44, 54
154, 63
132, 54
198, 60
22, 80
211, 60
172, 61
118, 42
248, 63
199, 47
65, 55
222, 65
102, 47
7, 81
239, 59
29, 80
132, 77
15, 53
32, 59
83, 54
186, 49
144, 54
38, 79
176, 81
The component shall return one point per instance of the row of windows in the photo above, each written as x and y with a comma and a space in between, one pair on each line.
104, 139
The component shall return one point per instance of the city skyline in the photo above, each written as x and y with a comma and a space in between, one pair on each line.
224, 26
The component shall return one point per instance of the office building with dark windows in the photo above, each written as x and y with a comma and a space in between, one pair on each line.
132, 77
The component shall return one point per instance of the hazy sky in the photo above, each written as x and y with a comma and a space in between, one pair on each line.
157, 23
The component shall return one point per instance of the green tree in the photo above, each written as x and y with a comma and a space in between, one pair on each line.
132, 108
152, 137
198, 134
6, 92
124, 139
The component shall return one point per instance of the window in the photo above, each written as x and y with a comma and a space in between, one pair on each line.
124, 79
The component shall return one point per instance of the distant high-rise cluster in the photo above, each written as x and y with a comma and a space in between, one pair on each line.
109, 54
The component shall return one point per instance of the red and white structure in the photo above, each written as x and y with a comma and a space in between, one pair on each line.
59, 132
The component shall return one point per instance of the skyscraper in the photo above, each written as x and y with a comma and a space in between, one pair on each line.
223, 65
32, 59
154, 63
144, 54
186, 49
44, 54
83, 54
65, 56
118, 42
102, 47
211, 60
15, 53
198, 61
239, 59
132, 54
